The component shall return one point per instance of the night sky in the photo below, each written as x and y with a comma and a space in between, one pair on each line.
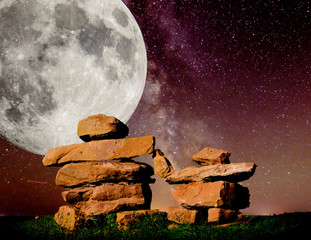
227, 74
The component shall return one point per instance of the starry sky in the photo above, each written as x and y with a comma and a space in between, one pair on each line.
227, 74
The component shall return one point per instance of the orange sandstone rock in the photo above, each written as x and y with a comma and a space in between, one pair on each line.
100, 150
100, 127
222, 215
182, 215
77, 194
234, 172
162, 165
77, 174
127, 219
93, 207
107, 192
212, 194
68, 217
210, 156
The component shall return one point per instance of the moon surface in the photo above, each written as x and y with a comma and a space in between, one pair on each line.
64, 60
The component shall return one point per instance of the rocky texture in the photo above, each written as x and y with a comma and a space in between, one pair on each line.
222, 215
94, 207
127, 219
100, 127
212, 194
77, 194
211, 156
234, 172
68, 217
77, 174
101, 178
211, 189
162, 165
107, 191
99, 175
100, 150
182, 215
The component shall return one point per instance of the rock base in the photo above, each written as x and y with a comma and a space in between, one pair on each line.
127, 219
68, 217
212, 215
223, 215
182, 215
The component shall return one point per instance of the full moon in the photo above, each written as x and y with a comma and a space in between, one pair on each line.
64, 60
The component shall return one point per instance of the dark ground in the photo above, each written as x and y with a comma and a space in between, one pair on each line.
285, 226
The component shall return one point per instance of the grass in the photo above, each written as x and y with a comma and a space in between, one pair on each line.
285, 226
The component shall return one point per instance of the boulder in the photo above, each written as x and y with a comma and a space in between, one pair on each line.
234, 172
100, 127
222, 215
94, 207
78, 194
127, 219
114, 191
68, 217
162, 165
107, 192
211, 156
182, 215
77, 174
100, 150
212, 194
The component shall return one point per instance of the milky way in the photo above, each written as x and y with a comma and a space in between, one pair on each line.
225, 74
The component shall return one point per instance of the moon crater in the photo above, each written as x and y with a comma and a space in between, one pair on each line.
61, 61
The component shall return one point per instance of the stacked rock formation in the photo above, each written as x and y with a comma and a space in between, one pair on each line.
99, 175
210, 192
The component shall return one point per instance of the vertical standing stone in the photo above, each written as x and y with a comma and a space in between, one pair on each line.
68, 217
162, 165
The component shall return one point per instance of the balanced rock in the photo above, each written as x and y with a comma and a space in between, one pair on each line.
182, 215
100, 150
127, 219
162, 165
108, 191
100, 127
234, 172
223, 215
210, 156
68, 217
212, 194
77, 174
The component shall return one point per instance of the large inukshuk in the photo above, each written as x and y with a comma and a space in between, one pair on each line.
99, 175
